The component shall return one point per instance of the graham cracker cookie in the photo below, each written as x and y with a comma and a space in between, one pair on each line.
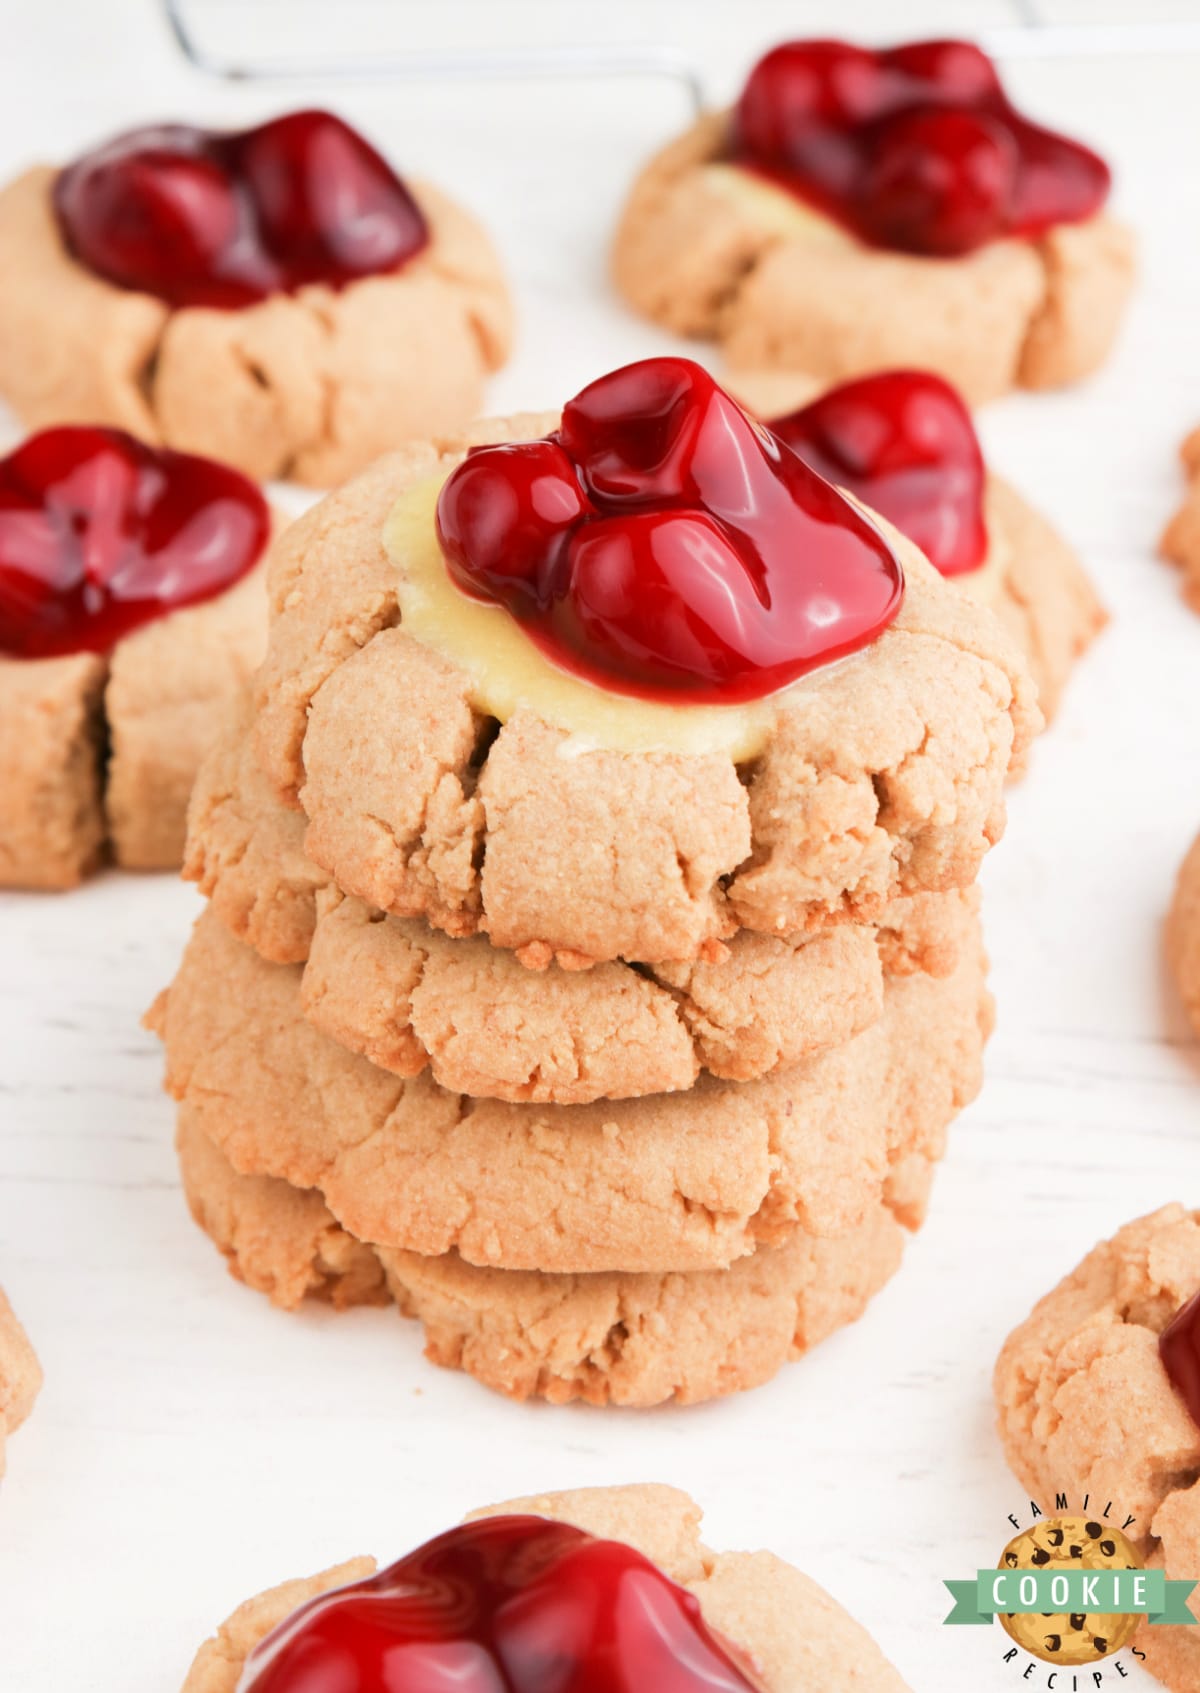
407, 997
789, 1630
309, 385
1180, 542
1086, 1406
98, 753
880, 775
20, 1375
606, 1338
1183, 934
703, 249
673, 1181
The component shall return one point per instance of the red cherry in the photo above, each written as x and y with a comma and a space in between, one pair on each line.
504, 517
941, 181
916, 147
956, 71
709, 563
1179, 1349
100, 535
655, 433
903, 441
211, 218
140, 218
327, 202
511, 1603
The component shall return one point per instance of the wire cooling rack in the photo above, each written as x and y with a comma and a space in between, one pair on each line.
1036, 30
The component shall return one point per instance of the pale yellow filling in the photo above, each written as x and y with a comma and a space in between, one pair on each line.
509, 673
773, 208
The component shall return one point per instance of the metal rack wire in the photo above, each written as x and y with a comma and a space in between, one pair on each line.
1032, 34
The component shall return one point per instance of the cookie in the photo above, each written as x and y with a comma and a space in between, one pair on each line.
1028, 576
1086, 1406
1183, 934
714, 243
675, 1181
1180, 542
878, 776
606, 1338
309, 384
110, 697
20, 1375
791, 1633
409, 998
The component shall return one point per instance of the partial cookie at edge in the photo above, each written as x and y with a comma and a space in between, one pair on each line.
1183, 934
20, 1375
1085, 1406
1180, 542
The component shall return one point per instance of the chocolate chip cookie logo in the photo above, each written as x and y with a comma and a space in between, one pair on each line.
1070, 1591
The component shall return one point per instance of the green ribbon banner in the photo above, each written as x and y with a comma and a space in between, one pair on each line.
1046, 1592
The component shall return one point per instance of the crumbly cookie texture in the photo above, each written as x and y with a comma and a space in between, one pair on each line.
1085, 1406
883, 775
1181, 539
409, 998
98, 756
309, 385
793, 1634
1183, 934
20, 1375
701, 247
674, 1181
610, 1338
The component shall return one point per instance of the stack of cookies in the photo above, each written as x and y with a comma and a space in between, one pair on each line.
615, 1040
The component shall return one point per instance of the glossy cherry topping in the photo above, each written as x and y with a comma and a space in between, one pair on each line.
916, 148
903, 442
1179, 1349
223, 218
100, 534
507, 1605
660, 543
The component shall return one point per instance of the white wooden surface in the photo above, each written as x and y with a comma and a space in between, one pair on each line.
192, 1445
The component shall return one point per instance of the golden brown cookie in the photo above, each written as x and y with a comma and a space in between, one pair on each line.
1087, 1408
1180, 541
98, 755
20, 1375
609, 1338
675, 1181
309, 385
878, 776
408, 997
792, 1633
707, 250
1183, 934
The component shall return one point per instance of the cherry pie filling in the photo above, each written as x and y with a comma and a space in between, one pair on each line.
225, 218
100, 534
662, 544
915, 148
512, 1604
903, 443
